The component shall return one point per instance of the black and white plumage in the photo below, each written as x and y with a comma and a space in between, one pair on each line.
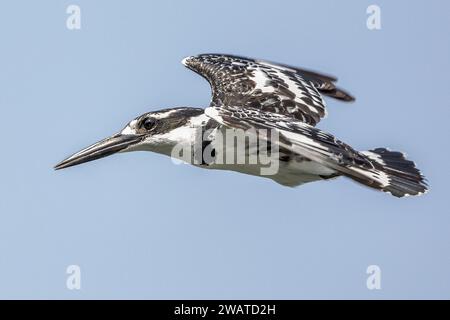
257, 96
270, 87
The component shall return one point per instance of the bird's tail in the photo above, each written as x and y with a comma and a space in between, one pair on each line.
392, 173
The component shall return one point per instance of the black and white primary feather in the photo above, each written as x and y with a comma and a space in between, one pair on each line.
260, 96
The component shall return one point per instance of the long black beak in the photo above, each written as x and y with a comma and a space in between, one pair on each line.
100, 149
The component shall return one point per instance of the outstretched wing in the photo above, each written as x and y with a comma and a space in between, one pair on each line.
393, 173
271, 87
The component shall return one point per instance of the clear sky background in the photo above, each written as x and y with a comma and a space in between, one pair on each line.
141, 227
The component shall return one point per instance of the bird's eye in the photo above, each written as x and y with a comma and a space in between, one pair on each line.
148, 123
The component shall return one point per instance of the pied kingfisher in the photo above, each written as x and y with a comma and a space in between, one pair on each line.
261, 95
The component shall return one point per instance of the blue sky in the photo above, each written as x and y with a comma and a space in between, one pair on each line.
141, 227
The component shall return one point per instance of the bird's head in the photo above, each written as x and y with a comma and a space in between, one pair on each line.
155, 131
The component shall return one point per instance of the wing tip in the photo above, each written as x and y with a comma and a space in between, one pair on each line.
339, 94
185, 60
343, 95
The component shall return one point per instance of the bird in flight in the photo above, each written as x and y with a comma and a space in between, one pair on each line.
259, 96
